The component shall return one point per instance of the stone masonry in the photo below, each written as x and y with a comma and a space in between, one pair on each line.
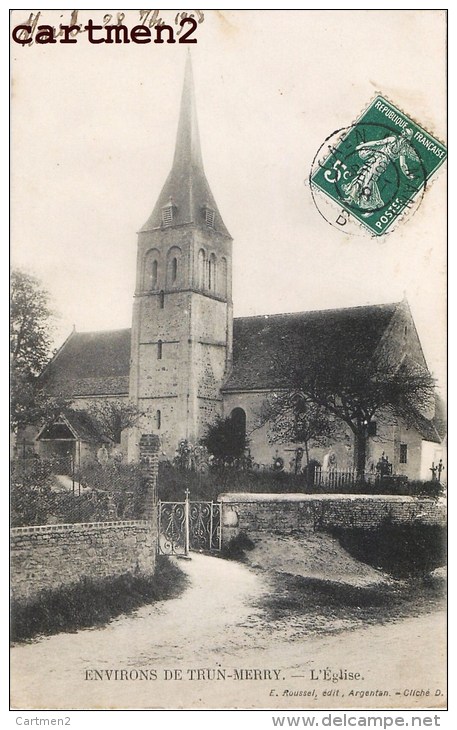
54, 556
288, 513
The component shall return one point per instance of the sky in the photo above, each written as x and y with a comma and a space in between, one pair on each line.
93, 133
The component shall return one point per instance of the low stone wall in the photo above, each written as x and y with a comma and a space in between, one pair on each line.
51, 557
288, 513
55, 556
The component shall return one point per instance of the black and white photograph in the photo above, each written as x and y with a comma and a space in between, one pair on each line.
228, 462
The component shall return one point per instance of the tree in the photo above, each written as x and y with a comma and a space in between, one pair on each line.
114, 416
225, 440
30, 348
30, 329
356, 390
30, 404
294, 418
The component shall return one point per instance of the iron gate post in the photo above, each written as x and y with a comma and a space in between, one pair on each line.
159, 514
220, 525
211, 526
187, 524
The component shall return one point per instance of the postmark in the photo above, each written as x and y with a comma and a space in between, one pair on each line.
376, 170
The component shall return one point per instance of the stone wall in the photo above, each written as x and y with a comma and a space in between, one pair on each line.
54, 556
51, 557
288, 513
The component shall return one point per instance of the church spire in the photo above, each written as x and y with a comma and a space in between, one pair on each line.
186, 197
187, 150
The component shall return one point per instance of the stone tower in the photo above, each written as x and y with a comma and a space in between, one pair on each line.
182, 314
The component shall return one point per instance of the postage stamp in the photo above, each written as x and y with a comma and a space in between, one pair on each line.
377, 168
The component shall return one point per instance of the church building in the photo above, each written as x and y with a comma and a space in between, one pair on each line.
186, 360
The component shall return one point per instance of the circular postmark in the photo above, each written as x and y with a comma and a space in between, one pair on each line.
366, 177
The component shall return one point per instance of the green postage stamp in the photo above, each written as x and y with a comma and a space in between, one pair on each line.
378, 167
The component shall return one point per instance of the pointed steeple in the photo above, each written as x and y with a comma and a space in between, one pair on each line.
186, 197
187, 148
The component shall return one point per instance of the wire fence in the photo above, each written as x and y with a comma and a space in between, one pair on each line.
54, 491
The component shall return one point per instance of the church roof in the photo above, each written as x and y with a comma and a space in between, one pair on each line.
440, 419
97, 363
355, 331
90, 363
428, 429
79, 424
186, 186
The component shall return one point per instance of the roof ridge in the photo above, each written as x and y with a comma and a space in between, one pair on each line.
315, 311
103, 332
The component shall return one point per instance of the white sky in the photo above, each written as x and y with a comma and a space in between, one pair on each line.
93, 132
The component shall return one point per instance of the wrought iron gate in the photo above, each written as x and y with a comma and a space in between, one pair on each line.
185, 526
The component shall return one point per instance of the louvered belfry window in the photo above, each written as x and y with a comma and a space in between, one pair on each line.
209, 216
167, 215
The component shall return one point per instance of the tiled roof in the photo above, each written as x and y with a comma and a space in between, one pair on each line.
82, 424
97, 363
427, 428
440, 420
257, 341
90, 363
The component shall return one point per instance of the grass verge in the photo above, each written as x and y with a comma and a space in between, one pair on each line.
326, 605
324, 583
91, 602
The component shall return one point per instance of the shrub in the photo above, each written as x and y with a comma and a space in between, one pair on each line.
402, 550
389, 484
111, 477
225, 440
207, 485
33, 473
237, 546
31, 505
425, 489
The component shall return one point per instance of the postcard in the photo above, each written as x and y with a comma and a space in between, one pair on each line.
228, 359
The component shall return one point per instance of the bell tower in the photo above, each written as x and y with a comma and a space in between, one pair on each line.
182, 313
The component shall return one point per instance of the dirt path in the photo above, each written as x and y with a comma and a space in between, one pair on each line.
214, 625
